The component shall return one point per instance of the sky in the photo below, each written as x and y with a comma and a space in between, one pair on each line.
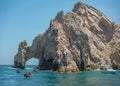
25, 19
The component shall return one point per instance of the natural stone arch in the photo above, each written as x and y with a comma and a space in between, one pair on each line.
85, 40
24, 54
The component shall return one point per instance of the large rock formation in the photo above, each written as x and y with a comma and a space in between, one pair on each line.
80, 40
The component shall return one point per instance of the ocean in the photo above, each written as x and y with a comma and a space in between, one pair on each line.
9, 77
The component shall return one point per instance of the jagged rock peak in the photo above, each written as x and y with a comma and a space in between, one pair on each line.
80, 8
60, 16
23, 43
78, 5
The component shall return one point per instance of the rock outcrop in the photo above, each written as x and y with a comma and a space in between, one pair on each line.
82, 39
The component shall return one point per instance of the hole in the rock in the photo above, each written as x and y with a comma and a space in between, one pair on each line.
32, 61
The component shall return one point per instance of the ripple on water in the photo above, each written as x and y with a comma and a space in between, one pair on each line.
9, 77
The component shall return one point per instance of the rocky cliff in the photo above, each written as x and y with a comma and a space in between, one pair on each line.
82, 39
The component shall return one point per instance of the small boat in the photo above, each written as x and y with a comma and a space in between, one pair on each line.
28, 75
35, 70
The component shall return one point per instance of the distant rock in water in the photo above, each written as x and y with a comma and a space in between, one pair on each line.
82, 39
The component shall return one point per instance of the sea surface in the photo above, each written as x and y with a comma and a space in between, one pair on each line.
9, 77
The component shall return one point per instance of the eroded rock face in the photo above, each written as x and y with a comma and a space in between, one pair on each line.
82, 39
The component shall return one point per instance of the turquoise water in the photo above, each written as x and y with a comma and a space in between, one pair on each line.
9, 77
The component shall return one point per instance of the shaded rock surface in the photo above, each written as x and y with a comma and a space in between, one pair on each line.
79, 40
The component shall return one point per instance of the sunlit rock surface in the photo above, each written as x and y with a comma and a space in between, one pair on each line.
82, 39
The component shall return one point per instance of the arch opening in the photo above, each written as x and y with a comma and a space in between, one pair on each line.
32, 61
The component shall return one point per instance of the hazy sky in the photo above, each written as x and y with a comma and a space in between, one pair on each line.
25, 19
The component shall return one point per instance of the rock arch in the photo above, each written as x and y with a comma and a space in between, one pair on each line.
85, 41
24, 54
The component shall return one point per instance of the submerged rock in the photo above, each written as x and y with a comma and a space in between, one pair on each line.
82, 39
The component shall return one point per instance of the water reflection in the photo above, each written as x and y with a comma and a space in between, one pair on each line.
82, 79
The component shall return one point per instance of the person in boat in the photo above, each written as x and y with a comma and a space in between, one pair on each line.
28, 75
